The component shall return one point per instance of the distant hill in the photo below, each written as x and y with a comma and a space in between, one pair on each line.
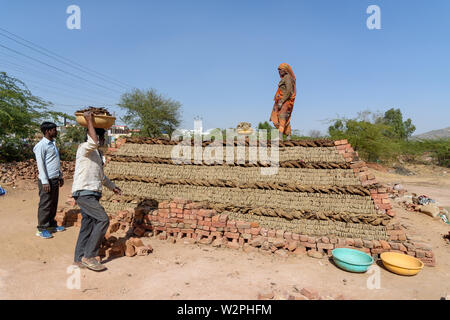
433, 135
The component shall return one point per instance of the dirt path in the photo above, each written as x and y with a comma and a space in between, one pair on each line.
33, 268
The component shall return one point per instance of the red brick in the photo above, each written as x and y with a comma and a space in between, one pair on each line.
254, 225
233, 245
266, 295
327, 246
218, 224
390, 213
358, 243
257, 242
349, 242
292, 245
420, 254
232, 235
300, 250
163, 211
368, 244
325, 240
231, 224
429, 262
402, 237
172, 205
242, 225
385, 245
309, 245
309, 293
163, 205
205, 213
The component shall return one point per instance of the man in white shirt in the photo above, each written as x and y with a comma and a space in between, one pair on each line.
87, 191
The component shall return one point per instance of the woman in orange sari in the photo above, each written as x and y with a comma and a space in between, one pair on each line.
284, 101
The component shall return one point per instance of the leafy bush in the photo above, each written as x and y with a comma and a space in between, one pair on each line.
439, 150
15, 149
384, 138
367, 138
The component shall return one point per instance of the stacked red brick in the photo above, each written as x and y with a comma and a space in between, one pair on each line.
184, 219
380, 196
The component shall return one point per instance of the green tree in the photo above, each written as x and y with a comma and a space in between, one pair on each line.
150, 112
75, 134
268, 127
19, 109
398, 128
21, 113
366, 137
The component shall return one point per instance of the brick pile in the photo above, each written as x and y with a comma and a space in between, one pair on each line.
123, 235
342, 204
125, 229
321, 188
380, 196
393, 193
180, 219
11, 172
69, 215
195, 222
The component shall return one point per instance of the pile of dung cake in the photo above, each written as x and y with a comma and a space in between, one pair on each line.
321, 197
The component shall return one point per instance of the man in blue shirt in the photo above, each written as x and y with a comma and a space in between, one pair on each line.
50, 180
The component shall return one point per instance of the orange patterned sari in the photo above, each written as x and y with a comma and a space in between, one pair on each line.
281, 118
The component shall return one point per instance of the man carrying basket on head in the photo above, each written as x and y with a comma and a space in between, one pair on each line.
87, 191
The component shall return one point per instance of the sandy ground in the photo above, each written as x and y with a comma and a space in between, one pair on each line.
33, 268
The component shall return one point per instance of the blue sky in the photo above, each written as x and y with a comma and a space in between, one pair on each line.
220, 58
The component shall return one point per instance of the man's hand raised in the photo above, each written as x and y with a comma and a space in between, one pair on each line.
89, 116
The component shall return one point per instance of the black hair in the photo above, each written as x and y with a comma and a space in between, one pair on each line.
46, 126
98, 131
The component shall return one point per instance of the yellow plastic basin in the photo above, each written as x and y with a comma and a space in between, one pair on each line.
100, 121
401, 264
